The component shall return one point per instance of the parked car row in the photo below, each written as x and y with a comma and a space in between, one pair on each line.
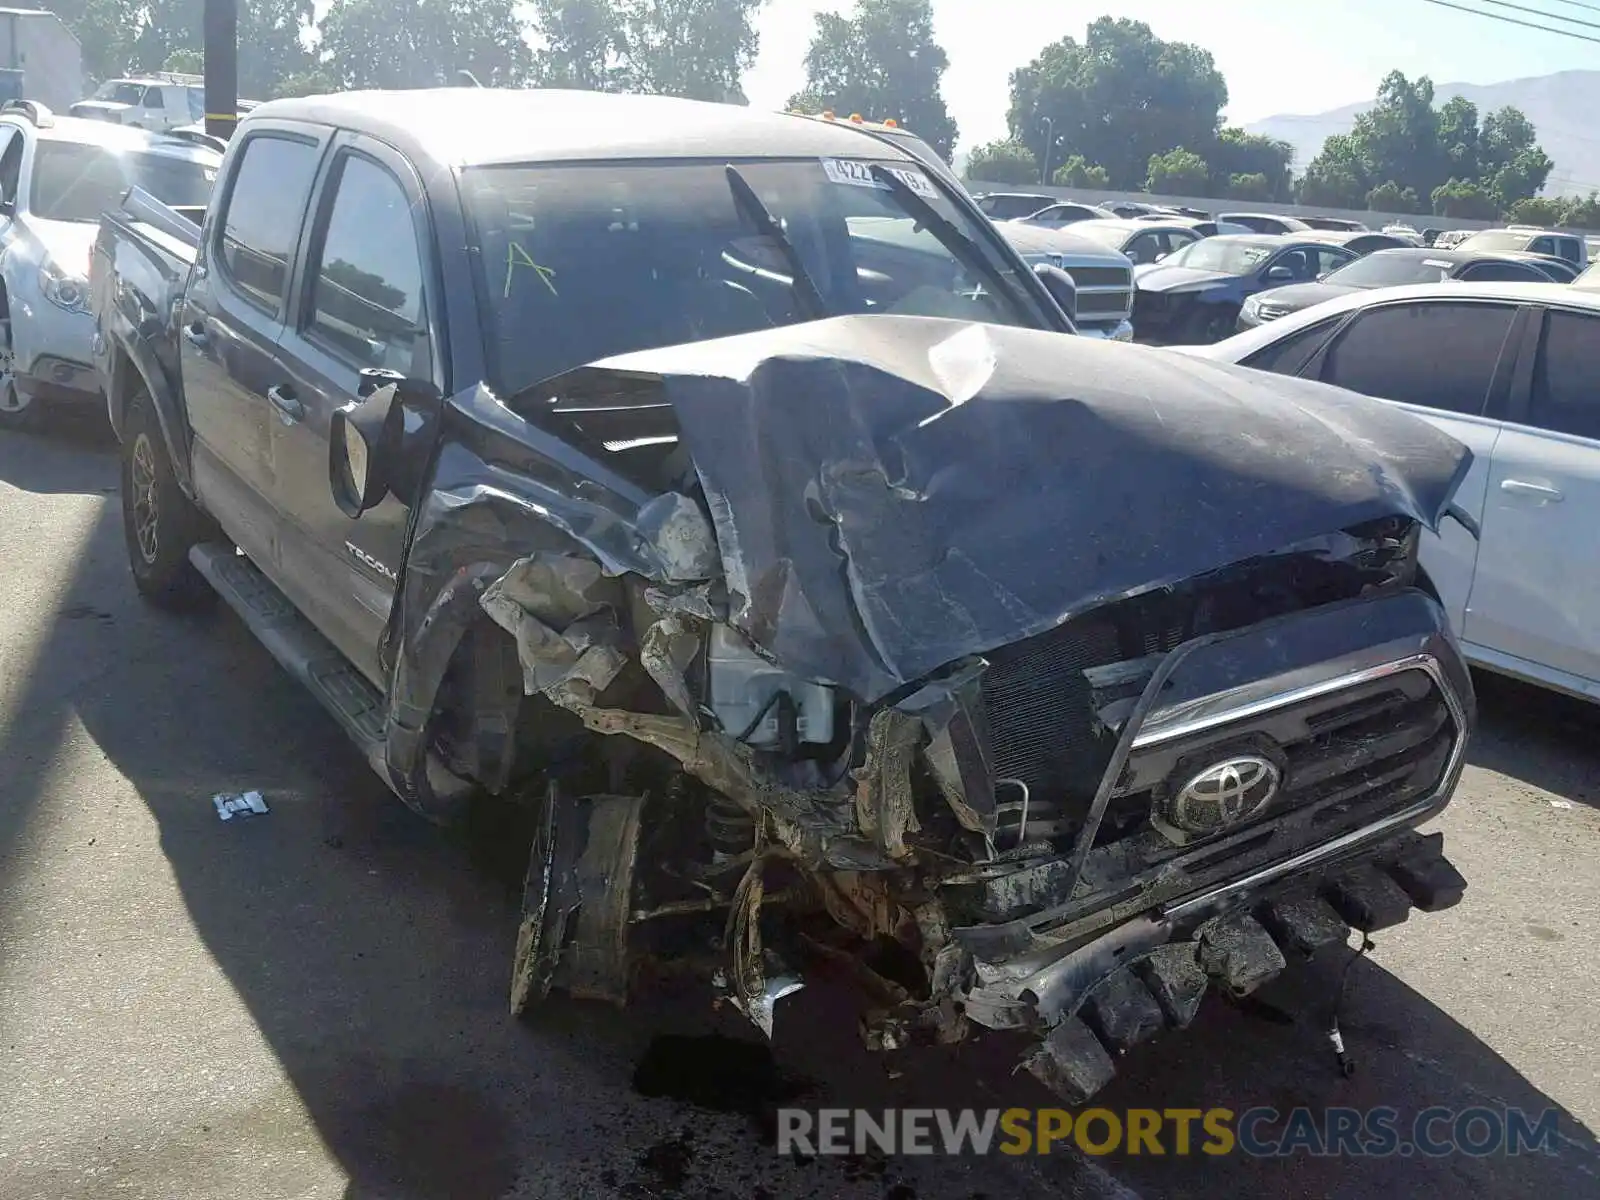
57, 176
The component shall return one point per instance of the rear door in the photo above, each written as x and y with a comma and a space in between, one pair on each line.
1537, 594
1448, 361
360, 303
232, 316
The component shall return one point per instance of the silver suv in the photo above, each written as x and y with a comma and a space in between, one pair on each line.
57, 175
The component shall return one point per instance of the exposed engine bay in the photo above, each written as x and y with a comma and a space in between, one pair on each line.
1013, 756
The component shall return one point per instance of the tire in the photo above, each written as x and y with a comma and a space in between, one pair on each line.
1211, 324
18, 413
159, 523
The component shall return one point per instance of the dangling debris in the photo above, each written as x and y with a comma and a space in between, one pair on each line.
232, 804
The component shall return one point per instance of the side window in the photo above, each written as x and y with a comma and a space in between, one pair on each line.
1435, 355
151, 98
1288, 355
366, 297
1177, 241
1502, 272
10, 162
1329, 261
266, 201
1572, 250
1542, 245
1143, 249
1564, 397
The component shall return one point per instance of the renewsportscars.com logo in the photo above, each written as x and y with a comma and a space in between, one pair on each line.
1258, 1132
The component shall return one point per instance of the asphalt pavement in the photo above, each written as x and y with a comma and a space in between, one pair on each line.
311, 1003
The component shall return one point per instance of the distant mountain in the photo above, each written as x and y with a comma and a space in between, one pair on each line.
1558, 105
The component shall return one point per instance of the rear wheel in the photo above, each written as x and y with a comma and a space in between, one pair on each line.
160, 524
18, 411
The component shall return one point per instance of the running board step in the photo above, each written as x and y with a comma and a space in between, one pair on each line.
295, 642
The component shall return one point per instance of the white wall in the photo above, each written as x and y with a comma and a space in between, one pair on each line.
51, 60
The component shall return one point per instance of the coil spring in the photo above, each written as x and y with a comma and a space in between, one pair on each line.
731, 830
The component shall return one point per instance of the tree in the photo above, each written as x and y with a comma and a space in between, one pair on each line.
1118, 98
880, 61
1583, 213
1522, 177
1464, 198
1537, 210
1236, 153
369, 44
1336, 177
1177, 173
1005, 161
186, 62
314, 82
1076, 173
692, 48
1391, 197
1250, 187
583, 44
270, 39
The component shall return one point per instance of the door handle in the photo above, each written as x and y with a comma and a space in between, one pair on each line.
287, 403
1538, 491
195, 334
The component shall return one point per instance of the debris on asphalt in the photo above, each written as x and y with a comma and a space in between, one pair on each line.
1561, 804
232, 804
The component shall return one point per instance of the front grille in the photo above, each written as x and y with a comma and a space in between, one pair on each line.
1038, 708
1102, 304
1345, 757
1088, 277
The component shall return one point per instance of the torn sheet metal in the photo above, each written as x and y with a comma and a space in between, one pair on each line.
882, 510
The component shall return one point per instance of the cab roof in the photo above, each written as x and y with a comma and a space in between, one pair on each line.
481, 126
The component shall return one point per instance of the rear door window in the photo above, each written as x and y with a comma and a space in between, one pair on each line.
266, 204
1435, 355
1487, 272
1566, 397
1289, 354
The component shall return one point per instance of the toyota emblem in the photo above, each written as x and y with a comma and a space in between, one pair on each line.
1225, 793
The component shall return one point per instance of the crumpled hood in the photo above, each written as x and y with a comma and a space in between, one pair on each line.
1157, 277
893, 494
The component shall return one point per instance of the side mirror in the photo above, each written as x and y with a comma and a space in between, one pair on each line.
1279, 275
1061, 287
378, 445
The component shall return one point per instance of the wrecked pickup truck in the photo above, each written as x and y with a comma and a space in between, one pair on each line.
821, 599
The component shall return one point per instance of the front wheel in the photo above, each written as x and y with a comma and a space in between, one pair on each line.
1211, 323
19, 412
159, 523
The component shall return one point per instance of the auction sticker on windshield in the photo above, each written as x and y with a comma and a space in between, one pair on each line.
854, 173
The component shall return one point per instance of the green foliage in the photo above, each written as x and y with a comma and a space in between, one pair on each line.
186, 61
1237, 154
881, 61
315, 82
1177, 173
1118, 98
1077, 173
1465, 198
1250, 187
1004, 161
1582, 213
1405, 140
1538, 210
371, 44
692, 48
1390, 197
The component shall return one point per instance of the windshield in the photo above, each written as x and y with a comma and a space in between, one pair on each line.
120, 91
73, 181
1221, 254
1390, 268
578, 263
1106, 235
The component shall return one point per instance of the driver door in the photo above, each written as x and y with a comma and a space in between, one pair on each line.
360, 302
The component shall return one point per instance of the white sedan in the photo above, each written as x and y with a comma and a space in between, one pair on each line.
1512, 370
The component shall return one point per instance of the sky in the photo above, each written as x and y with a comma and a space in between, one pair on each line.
1278, 56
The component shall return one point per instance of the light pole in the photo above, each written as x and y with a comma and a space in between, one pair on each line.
1049, 144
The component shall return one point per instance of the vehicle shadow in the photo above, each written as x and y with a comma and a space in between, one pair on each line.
1538, 736
369, 952
68, 456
